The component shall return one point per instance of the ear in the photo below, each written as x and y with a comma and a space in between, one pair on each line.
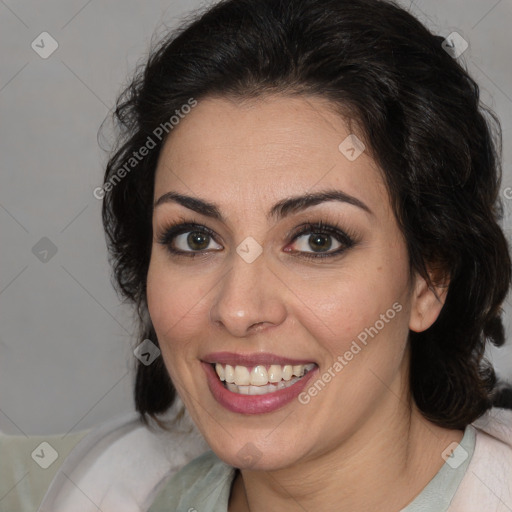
427, 301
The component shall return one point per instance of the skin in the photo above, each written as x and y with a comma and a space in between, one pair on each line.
362, 431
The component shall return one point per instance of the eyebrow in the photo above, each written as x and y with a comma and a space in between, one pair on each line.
280, 210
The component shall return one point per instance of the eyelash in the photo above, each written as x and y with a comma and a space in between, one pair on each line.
179, 227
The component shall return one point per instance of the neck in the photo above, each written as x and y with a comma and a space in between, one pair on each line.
383, 466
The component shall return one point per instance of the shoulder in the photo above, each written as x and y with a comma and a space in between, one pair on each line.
487, 484
120, 466
205, 482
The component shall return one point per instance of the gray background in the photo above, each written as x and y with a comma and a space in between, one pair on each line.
65, 340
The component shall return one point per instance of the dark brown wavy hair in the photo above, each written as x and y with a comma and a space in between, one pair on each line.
422, 120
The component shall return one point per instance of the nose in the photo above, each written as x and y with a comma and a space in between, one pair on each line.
249, 298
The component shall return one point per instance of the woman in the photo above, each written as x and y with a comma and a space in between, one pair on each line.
303, 208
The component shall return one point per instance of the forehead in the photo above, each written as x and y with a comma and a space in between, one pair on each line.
231, 151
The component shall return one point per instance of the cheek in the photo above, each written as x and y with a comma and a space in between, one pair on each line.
361, 304
365, 342
174, 304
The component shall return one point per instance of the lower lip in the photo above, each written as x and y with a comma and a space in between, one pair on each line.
253, 404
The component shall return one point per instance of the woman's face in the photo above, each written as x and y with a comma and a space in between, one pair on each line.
261, 290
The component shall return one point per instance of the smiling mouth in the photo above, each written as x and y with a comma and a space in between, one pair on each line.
260, 379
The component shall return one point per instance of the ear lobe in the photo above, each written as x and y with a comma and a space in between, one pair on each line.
427, 302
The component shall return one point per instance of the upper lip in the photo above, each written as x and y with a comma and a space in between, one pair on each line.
254, 359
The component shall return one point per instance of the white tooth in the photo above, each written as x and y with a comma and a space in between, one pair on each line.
259, 376
298, 370
257, 390
274, 373
261, 390
242, 376
229, 373
220, 371
232, 387
287, 372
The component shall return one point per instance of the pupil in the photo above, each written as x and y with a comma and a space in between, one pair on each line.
321, 241
197, 241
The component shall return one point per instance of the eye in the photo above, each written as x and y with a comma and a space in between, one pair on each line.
320, 241
194, 240
188, 239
